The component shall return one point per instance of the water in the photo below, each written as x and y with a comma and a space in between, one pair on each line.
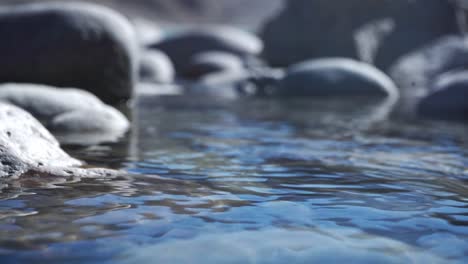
252, 182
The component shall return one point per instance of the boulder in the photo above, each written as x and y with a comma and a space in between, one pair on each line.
334, 77
69, 45
67, 111
375, 31
184, 45
212, 62
27, 148
156, 67
448, 98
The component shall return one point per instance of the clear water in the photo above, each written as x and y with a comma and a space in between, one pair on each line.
252, 182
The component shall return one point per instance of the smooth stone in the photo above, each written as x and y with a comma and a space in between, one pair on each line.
155, 89
69, 45
27, 148
335, 77
147, 32
448, 98
156, 67
184, 45
45, 102
377, 32
67, 111
212, 62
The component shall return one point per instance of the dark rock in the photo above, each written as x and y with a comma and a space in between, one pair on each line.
69, 45
68, 111
448, 98
335, 77
184, 45
375, 31
26, 147
212, 62
156, 67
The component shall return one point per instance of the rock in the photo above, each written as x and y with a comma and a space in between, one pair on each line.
143, 89
104, 119
415, 73
376, 31
222, 86
448, 98
156, 67
147, 32
69, 45
418, 69
212, 62
184, 45
26, 147
335, 77
67, 111
234, 84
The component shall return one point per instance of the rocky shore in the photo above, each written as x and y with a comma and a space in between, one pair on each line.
66, 66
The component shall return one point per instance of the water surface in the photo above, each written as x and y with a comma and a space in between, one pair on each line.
252, 182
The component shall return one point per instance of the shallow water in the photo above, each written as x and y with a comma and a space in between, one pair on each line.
252, 182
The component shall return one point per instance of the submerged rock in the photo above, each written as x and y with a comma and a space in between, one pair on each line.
376, 31
212, 62
26, 147
69, 45
448, 98
335, 77
184, 45
67, 111
156, 67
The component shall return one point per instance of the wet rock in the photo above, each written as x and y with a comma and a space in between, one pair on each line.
184, 45
69, 45
67, 111
375, 31
26, 147
448, 98
335, 77
212, 62
156, 67
104, 119
416, 72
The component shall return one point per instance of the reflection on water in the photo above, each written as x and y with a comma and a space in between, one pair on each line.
252, 182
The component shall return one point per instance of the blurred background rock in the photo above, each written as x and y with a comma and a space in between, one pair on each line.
247, 14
